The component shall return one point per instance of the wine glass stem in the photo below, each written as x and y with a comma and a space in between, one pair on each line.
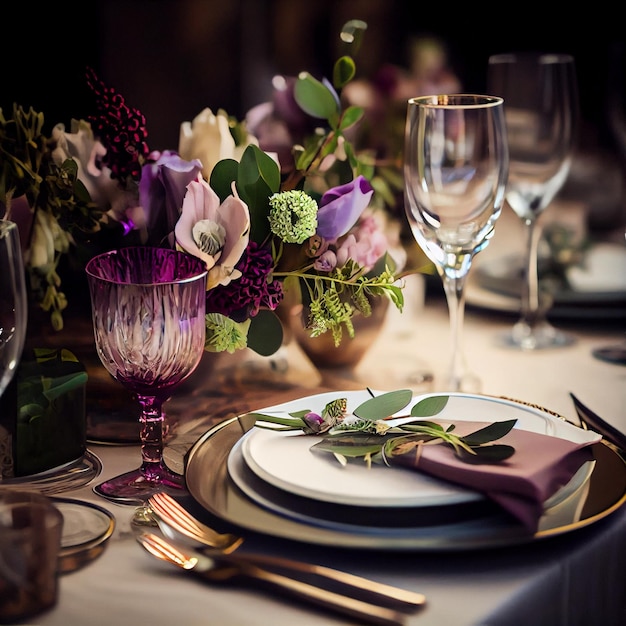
151, 433
530, 304
454, 287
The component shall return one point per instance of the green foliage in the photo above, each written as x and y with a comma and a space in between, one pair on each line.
370, 437
315, 98
343, 71
265, 334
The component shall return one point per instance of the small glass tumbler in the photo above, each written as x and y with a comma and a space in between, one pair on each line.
30, 540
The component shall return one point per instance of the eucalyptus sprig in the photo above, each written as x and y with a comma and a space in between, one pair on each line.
367, 433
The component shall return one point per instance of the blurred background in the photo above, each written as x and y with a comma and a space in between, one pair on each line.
172, 58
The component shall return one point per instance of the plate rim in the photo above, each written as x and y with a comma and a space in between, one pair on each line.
76, 555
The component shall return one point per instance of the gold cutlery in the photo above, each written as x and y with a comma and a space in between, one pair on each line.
222, 568
147, 516
177, 517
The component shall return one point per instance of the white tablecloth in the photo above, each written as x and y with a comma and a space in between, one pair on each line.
578, 578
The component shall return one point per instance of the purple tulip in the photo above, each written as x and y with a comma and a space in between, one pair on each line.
341, 207
161, 191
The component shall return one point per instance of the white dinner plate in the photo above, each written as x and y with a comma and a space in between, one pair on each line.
284, 458
565, 506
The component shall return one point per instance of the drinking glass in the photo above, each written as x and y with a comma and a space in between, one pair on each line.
148, 311
540, 107
13, 305
455, 170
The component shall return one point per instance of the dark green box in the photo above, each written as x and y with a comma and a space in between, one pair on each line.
42, 414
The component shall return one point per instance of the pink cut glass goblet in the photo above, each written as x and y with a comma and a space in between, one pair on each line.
148, 309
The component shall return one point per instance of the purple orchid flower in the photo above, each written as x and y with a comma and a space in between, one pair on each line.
162, 188
341, 207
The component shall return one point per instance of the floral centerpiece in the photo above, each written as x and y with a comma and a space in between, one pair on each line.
266, 223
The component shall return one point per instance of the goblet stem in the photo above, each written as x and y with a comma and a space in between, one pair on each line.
151, 433
459, 376
533, 331
530, 290
153, 475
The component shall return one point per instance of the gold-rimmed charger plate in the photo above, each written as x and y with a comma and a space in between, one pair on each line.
208, 481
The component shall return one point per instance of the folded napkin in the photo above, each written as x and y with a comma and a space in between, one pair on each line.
541, 465
594, 422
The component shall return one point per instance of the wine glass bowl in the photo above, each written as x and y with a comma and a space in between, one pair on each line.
148, 312
540, 108
13, 302
455, 170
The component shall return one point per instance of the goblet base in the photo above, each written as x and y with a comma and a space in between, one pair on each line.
134, 487
541, 336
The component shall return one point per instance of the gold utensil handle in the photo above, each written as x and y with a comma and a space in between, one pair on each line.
364, 611
397, 594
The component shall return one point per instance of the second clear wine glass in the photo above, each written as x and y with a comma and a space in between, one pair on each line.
455, 171
540, 107
13, 302
148, 309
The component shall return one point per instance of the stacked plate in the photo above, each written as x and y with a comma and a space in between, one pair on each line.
271, 482
595, 290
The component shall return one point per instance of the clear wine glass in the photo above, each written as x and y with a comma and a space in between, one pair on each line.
13, 304
541, 110
455, 171
148, 310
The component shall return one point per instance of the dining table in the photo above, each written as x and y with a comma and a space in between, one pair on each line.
575, 577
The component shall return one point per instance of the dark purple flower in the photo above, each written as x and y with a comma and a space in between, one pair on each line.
121, 130
341, 207
243, 298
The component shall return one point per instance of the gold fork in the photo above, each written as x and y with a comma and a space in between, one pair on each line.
176, 516
158, 513
223, 568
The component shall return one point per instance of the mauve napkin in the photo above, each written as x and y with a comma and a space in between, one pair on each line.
540, 466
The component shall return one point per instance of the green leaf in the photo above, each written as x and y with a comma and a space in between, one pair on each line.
350, 117
343, 71
314, 97
291, 422
421, 426
257, 165
429, 406
222, 177
265, 334
487, 454
384, 405
494, 431
349, 447
258, 178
